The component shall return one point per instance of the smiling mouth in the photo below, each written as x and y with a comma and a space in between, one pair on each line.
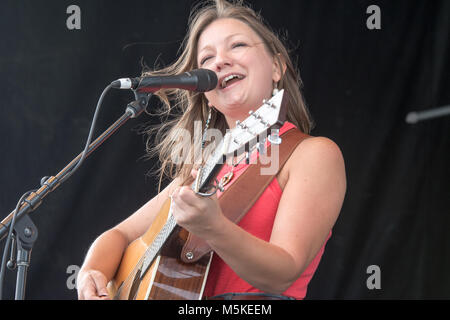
227, 81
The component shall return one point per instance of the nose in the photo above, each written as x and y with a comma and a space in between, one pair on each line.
222, 60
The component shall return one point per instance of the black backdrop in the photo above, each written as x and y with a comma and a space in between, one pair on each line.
359, 85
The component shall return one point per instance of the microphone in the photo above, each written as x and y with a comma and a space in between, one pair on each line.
199, 80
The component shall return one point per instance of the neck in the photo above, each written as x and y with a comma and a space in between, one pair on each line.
231, 121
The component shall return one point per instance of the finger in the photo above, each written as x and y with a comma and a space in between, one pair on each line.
79, 291
190, 198
186, 194
80, 294
79, 287
175, 192
176, 195
179, 204
194, 173
86, 287
89, 292
100, 284
93, 297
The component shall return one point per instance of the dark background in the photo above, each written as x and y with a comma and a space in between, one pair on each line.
358, 83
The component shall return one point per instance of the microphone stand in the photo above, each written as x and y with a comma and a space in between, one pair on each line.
25, 231
414, 117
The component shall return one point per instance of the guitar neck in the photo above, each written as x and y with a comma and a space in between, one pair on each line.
161, 238
208, 172
240, 138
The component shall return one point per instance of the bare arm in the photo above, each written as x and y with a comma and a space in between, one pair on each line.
106, 252
310, 204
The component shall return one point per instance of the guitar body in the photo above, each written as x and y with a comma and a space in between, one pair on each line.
167, 278
151, 267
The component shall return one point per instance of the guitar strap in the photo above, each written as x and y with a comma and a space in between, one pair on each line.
240, 196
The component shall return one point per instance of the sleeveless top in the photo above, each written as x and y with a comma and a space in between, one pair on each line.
258, 221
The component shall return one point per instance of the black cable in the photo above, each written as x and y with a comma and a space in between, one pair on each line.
62, 179
91, 133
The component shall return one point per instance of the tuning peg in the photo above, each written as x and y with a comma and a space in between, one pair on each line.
269, 103
274, 137
261, 147
256, 116
261, 120
264, 123
241, 125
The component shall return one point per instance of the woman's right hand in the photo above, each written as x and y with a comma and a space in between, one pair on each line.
91, 285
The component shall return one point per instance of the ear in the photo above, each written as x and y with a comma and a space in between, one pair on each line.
279, 67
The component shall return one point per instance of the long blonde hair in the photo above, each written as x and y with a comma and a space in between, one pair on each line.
192, 107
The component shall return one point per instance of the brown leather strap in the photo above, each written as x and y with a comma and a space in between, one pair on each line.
243, 193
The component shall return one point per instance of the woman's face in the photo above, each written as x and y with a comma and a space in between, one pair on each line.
245, 69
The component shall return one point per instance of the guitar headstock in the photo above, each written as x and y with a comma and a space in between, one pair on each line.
270, 115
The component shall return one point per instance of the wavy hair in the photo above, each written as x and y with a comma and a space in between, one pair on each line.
192, 107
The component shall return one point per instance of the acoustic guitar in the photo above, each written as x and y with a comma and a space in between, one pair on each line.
151, 267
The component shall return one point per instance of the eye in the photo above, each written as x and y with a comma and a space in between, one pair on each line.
205, 59
238, 44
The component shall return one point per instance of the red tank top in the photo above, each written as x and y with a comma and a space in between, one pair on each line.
259, 222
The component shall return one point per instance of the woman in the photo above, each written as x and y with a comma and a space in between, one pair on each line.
305, 199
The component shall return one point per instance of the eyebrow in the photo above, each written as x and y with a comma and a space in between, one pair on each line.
226, 39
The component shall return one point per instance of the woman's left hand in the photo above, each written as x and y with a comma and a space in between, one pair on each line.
199, 215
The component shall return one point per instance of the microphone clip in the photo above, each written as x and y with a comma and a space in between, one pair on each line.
138, 106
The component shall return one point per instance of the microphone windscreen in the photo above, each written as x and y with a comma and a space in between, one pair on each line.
207, 79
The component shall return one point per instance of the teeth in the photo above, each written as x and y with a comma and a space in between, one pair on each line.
231, 76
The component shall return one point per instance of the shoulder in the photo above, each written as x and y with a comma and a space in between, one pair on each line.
318, 155
317, 147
